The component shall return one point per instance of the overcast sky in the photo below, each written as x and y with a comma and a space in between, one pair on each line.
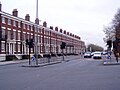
84, 18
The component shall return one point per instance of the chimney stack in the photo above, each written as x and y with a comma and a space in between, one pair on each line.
64, 31
44, 24
61, 30
56, 29
0, 6
37, 21
27, 17
15, 13
51, 27
67, 33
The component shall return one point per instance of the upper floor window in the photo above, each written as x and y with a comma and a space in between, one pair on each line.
19, 24
14, 23
9, 34
23, 26
19, 35
32, 28
24, 36
3, 32
35, 29
28, 27
14, 34
9, 21
35, 38
39, 30
3, 19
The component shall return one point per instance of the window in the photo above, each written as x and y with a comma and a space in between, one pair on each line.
28, 35
9, 34
14, 35
23, 26
9, 21
24, 36
3, 32
31, 36
19, 47
14, 23
19, 24
28, 27
18, 35
39, 30
35, 38
35, 29
3, 19
15, 47
32, 28
38, 39
3, 47
41, 39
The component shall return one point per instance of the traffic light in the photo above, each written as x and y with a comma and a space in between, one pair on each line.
31, 43
115, 44
63, 45
109, 43
27, 42
5, 37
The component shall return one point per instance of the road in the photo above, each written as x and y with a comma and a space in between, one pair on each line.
77, 74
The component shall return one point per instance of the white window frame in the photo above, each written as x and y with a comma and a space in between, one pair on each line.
14, 23
9, 21
3, 20
3, 46
19, 46
19, 24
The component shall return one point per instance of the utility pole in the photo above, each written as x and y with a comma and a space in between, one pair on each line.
36, 40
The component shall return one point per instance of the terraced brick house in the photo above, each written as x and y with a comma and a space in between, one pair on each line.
15, 30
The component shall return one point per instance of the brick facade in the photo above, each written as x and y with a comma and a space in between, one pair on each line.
15, 30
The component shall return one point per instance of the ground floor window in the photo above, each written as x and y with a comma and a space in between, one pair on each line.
3, 47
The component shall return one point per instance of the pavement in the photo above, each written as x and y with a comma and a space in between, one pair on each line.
41, 62
12, 62
54, 60
111, 61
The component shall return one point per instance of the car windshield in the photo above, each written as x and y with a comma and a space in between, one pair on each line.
88, 53
97, 53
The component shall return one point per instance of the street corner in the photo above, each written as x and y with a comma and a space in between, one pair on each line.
27, 65
40, 65
111, 63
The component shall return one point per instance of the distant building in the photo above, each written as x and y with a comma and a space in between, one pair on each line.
15, 30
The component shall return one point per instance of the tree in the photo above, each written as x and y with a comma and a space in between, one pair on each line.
111, 30
93, 48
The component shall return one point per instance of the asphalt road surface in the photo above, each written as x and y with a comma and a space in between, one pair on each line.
77, 74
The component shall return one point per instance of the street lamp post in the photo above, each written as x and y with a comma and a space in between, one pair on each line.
36, 37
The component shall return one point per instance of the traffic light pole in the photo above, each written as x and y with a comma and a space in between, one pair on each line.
36, 53
29, 54
63, 55
36, 41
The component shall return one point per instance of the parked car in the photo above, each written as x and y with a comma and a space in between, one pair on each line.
104, 53
87, 55
97, 55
